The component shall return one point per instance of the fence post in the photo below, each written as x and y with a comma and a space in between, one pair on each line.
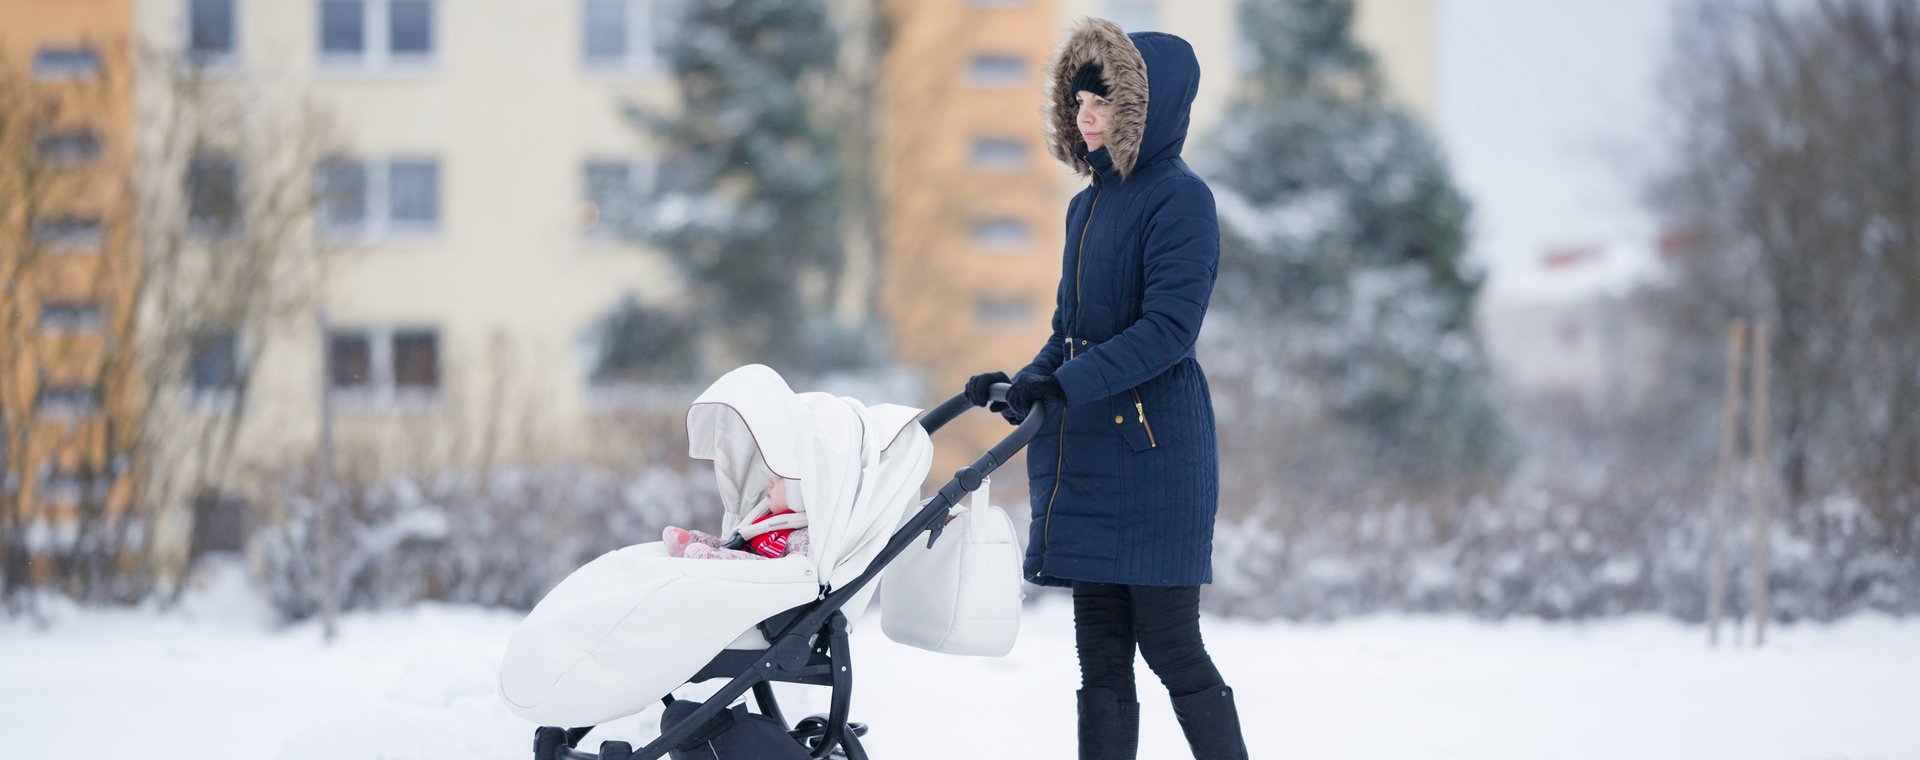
1723, 488
1758, 431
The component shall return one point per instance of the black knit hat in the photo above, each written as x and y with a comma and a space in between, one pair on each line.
1088, 79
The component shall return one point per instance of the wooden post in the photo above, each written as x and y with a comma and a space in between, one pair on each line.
1724, 485
1762, 483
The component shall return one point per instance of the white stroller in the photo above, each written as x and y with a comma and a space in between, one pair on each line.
606, 643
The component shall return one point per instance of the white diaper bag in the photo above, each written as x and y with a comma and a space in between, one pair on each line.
963, 595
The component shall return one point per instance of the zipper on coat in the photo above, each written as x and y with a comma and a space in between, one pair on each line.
1142, 409
1060, 461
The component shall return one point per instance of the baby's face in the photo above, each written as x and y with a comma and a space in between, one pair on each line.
777, 492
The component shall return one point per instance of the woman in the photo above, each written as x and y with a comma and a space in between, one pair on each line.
1124, 475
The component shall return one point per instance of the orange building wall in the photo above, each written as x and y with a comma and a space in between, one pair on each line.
934, 271
100, 188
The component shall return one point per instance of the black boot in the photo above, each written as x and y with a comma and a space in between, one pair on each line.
1109, 728
1211, 724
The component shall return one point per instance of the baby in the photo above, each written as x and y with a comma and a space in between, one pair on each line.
694, 544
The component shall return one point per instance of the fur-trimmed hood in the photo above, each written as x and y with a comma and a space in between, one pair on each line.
1151, 80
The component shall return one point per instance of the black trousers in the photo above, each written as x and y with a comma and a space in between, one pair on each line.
1110, 622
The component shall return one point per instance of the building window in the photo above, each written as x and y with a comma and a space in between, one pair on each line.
213, 195
213, 362
628, 35
999, 313
1134, 15
416, 360
376, 34
610, 192
69, 148
62, 488
410, 27
613, 190
381, 367
342, 195
999, 154
68, 402
70, 234
210, 31
349, 360
1002, 234
373, 200
66, 63
69, 318
989, 70
414, 194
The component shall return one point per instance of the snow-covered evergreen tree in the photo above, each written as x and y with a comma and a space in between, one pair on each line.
751, 209
1345, 305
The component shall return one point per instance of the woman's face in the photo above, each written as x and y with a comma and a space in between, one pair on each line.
1093, 119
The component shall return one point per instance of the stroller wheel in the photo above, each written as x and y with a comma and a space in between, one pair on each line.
547, 742
812, 730
615, 750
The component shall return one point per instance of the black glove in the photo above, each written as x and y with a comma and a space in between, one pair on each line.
979, 387
1028, 389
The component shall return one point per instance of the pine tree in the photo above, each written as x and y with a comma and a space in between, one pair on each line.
750, 210
1345, 241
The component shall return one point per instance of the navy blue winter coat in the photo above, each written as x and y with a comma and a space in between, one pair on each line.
1125, 481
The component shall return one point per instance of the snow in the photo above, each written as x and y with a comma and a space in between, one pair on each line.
418, 683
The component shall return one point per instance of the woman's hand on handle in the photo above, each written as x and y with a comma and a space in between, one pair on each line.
1029, 389
979, 388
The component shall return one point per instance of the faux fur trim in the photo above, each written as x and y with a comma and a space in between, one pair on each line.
1093, 40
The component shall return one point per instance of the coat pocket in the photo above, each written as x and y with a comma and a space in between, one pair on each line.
1085, 536
1130, 417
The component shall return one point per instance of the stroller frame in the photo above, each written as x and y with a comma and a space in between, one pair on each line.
808, 644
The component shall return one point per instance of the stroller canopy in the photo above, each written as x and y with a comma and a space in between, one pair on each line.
858, 466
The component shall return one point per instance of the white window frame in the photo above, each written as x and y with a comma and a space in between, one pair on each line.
378, 225
222, 63
381, 393
376, 50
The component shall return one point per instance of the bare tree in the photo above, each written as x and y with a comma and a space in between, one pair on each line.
1796, 176
232, 265
164, 262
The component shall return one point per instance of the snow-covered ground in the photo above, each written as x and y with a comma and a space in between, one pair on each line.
215, 680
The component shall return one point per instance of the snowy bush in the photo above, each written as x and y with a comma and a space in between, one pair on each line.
504, 538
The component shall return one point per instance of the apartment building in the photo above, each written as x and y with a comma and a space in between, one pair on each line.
66, 267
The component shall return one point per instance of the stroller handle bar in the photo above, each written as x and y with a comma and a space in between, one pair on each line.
958, 405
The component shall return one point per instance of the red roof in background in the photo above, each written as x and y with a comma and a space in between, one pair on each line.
1565, 258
